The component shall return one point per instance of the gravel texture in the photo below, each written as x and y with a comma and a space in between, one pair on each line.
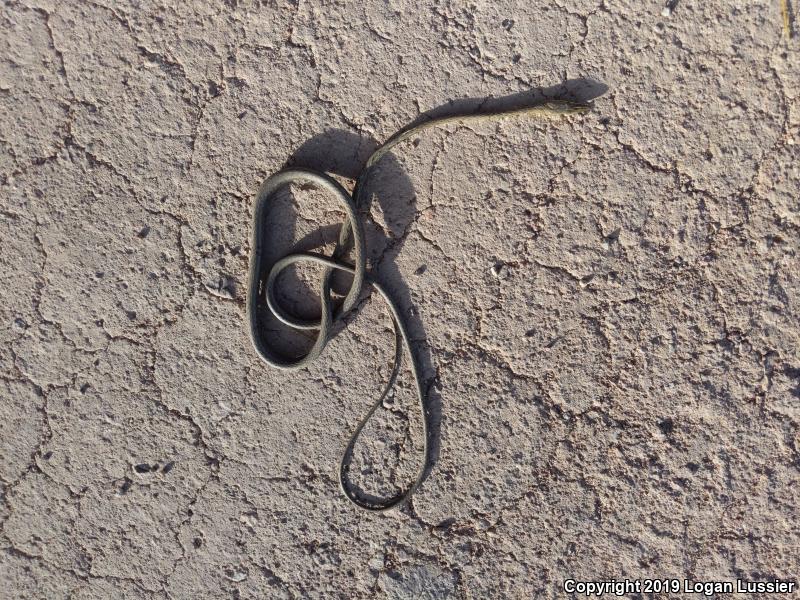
606, 307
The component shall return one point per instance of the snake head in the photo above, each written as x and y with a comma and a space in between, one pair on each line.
567, 107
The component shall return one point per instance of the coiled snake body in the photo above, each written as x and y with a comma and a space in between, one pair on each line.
351, 237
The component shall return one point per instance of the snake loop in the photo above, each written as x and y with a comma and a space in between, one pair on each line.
355, 230
351, 238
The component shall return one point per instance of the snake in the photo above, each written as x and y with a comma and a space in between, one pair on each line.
263, 279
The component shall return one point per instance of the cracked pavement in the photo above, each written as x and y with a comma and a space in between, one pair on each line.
607, 307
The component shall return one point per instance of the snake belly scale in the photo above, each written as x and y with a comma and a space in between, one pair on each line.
351, 240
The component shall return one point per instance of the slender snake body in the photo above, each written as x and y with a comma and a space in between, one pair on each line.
351, 237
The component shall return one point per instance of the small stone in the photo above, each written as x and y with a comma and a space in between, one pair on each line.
237, 576
666, 11
223, 288
500, 271
389, 400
